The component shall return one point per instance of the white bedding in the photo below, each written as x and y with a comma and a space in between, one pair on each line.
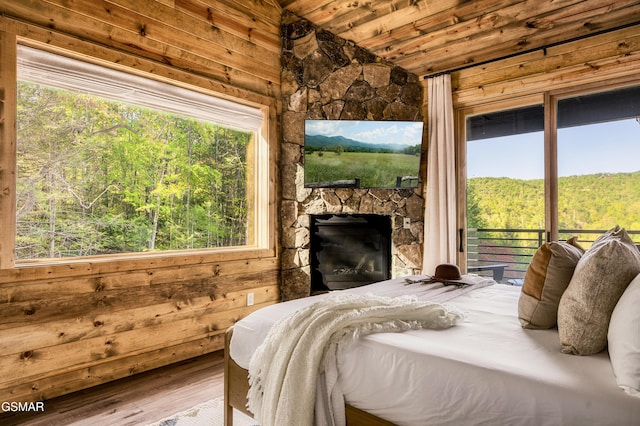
487, 370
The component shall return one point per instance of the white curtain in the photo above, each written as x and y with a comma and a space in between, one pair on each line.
38, 66
440, 214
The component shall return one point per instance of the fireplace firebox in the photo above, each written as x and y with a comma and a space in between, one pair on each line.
349, 251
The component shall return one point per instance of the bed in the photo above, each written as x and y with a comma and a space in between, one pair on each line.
486, 370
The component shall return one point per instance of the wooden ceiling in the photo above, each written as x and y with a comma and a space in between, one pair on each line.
432, 36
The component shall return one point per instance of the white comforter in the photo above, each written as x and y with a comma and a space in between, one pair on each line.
485, 371
284, 369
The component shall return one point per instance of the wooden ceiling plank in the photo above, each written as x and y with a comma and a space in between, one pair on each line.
486, 46
441, 26
452, 63
453, 34
493, 25
380, 16
286, 3
329, 13
388, 29
585, 12
312, 10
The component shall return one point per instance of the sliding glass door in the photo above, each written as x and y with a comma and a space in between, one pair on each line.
504, 189
566, 165
598, 141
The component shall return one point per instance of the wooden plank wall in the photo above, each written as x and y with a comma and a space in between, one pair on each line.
65, 327
597, 59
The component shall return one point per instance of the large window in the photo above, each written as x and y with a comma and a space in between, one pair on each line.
109, 162
505, 157
550, 170
505, 186
598, 140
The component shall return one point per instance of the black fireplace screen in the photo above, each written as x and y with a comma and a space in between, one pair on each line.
349, 250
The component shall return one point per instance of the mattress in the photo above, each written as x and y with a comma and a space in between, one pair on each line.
487, 370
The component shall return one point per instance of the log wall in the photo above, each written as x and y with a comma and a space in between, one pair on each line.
597, 59
68, 326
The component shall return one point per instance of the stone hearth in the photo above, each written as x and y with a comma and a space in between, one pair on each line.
326, 77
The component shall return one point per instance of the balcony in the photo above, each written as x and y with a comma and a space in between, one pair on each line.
514, 248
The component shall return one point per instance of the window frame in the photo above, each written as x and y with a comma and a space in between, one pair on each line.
551, 140
461, 115
549, 100
260, 179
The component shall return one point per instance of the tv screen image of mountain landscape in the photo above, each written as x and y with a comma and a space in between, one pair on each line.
364, 154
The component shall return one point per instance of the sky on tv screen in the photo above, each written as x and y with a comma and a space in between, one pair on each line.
371, 132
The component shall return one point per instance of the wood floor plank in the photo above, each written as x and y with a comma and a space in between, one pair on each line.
136, 400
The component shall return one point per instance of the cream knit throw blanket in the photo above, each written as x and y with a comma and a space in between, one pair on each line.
283, 372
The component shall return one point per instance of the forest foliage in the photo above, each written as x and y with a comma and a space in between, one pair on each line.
587, 206
96, 176
586, 202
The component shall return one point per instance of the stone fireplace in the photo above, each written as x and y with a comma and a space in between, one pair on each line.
326, 77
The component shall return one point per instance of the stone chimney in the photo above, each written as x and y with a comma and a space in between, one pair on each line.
326, 77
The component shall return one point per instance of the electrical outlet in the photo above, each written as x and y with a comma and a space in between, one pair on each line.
250, 300
406, 223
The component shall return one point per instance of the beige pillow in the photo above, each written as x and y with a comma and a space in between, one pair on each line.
601, 276
547, 277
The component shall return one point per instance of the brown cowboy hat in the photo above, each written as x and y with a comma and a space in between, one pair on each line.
448, 273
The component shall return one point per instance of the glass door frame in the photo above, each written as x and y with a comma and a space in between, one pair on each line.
461, 115
550, 102
551, 141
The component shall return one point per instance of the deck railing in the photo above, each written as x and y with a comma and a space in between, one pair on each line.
515, 247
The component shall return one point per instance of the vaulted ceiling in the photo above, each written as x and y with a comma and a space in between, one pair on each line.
432, 36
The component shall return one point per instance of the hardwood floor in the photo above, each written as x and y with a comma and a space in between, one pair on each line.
138, 400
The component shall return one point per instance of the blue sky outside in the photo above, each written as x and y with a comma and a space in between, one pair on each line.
374, 132
610, 147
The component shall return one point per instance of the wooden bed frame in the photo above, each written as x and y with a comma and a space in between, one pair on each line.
236, 387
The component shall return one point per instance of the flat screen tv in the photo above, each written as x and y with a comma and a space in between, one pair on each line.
362, 154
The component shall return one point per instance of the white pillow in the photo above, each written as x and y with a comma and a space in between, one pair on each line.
624, 339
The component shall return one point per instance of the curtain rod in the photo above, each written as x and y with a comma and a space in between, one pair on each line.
524, 52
